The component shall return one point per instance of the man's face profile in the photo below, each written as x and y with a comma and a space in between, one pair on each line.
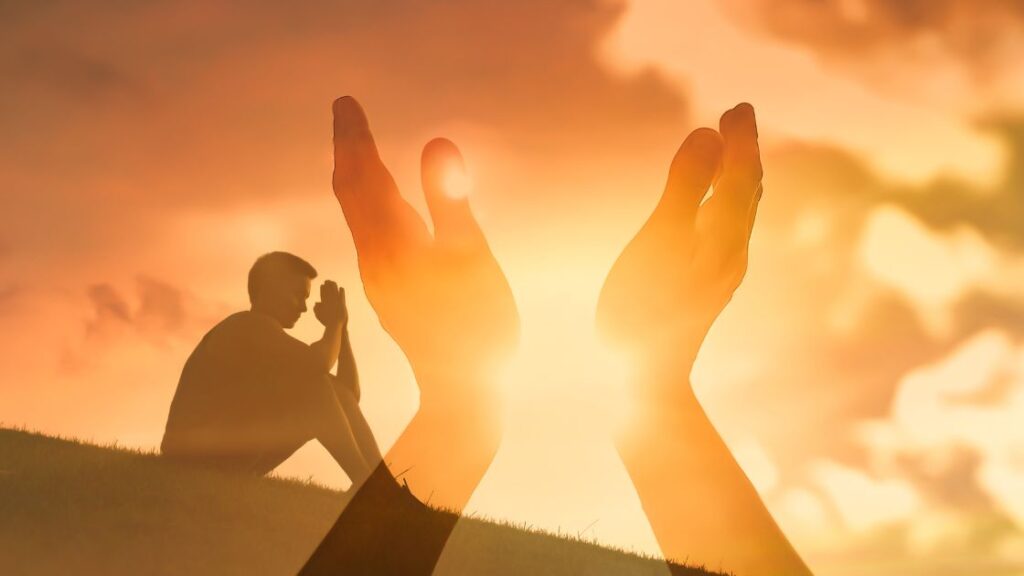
283, 296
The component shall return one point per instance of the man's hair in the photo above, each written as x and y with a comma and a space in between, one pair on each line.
272, 262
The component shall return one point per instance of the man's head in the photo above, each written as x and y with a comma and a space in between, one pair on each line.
279, 285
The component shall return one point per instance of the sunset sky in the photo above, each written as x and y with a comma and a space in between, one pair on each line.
869, 373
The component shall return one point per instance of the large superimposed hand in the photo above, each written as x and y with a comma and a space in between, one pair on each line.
443, 298
659, 301
678, 273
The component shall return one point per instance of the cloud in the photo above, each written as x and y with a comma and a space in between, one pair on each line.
154, 311
946, 203
852, 332
943, 471
933, 271
974, 32
955, 50
151, 149
114, 129
60, 70
215, 118
722, 61
866, 503
109, 307
934, 417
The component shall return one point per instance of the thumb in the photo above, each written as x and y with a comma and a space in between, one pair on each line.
446, 188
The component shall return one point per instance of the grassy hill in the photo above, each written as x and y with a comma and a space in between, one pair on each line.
73, 508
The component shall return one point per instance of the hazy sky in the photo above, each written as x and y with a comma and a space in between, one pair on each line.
869, 373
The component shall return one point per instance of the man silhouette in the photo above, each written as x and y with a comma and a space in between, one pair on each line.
250, 395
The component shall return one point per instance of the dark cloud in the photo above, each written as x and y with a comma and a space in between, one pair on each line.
978, 310
151, 312
118, 116
951, 483
837, 178
994, 213
161, 307
973, 32
75, 75
237, 99
109, 308
154, 311
887, 339
851, 375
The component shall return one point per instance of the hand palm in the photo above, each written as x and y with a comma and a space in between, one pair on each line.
443, 298
677, 274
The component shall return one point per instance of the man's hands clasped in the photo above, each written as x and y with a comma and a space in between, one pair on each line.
331, 310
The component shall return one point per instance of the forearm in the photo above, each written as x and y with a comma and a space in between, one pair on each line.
450, 442
698, 500
348, 375
326, 349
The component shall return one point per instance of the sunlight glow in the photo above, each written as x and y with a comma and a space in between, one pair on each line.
563, 361
457, 183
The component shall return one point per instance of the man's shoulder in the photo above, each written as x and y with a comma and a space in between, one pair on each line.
245, 320
238, 326
252, 327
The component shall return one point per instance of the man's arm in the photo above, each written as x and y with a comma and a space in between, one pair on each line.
348, 375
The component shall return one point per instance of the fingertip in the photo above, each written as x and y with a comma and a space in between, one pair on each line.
703, 143
441, 149
343, 104
737, 120
694, 167
349, 117
446, 187
443, 170
698, 155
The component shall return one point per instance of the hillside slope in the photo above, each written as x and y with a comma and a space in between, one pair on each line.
73, 508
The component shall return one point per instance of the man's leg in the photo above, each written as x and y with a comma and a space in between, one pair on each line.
360, 427
270, 457
330, 425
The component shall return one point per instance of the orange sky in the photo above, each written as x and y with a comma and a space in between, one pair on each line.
867, 374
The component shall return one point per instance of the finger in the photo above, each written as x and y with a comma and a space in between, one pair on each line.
380, 220
741, 158
693, 169
446, 187
727, 215
324, 292
341, 295
355, 152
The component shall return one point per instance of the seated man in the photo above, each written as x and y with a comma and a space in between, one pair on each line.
250, 395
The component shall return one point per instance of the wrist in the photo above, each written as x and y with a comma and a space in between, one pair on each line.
466, 388
664, 403
663, 378
334, 324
